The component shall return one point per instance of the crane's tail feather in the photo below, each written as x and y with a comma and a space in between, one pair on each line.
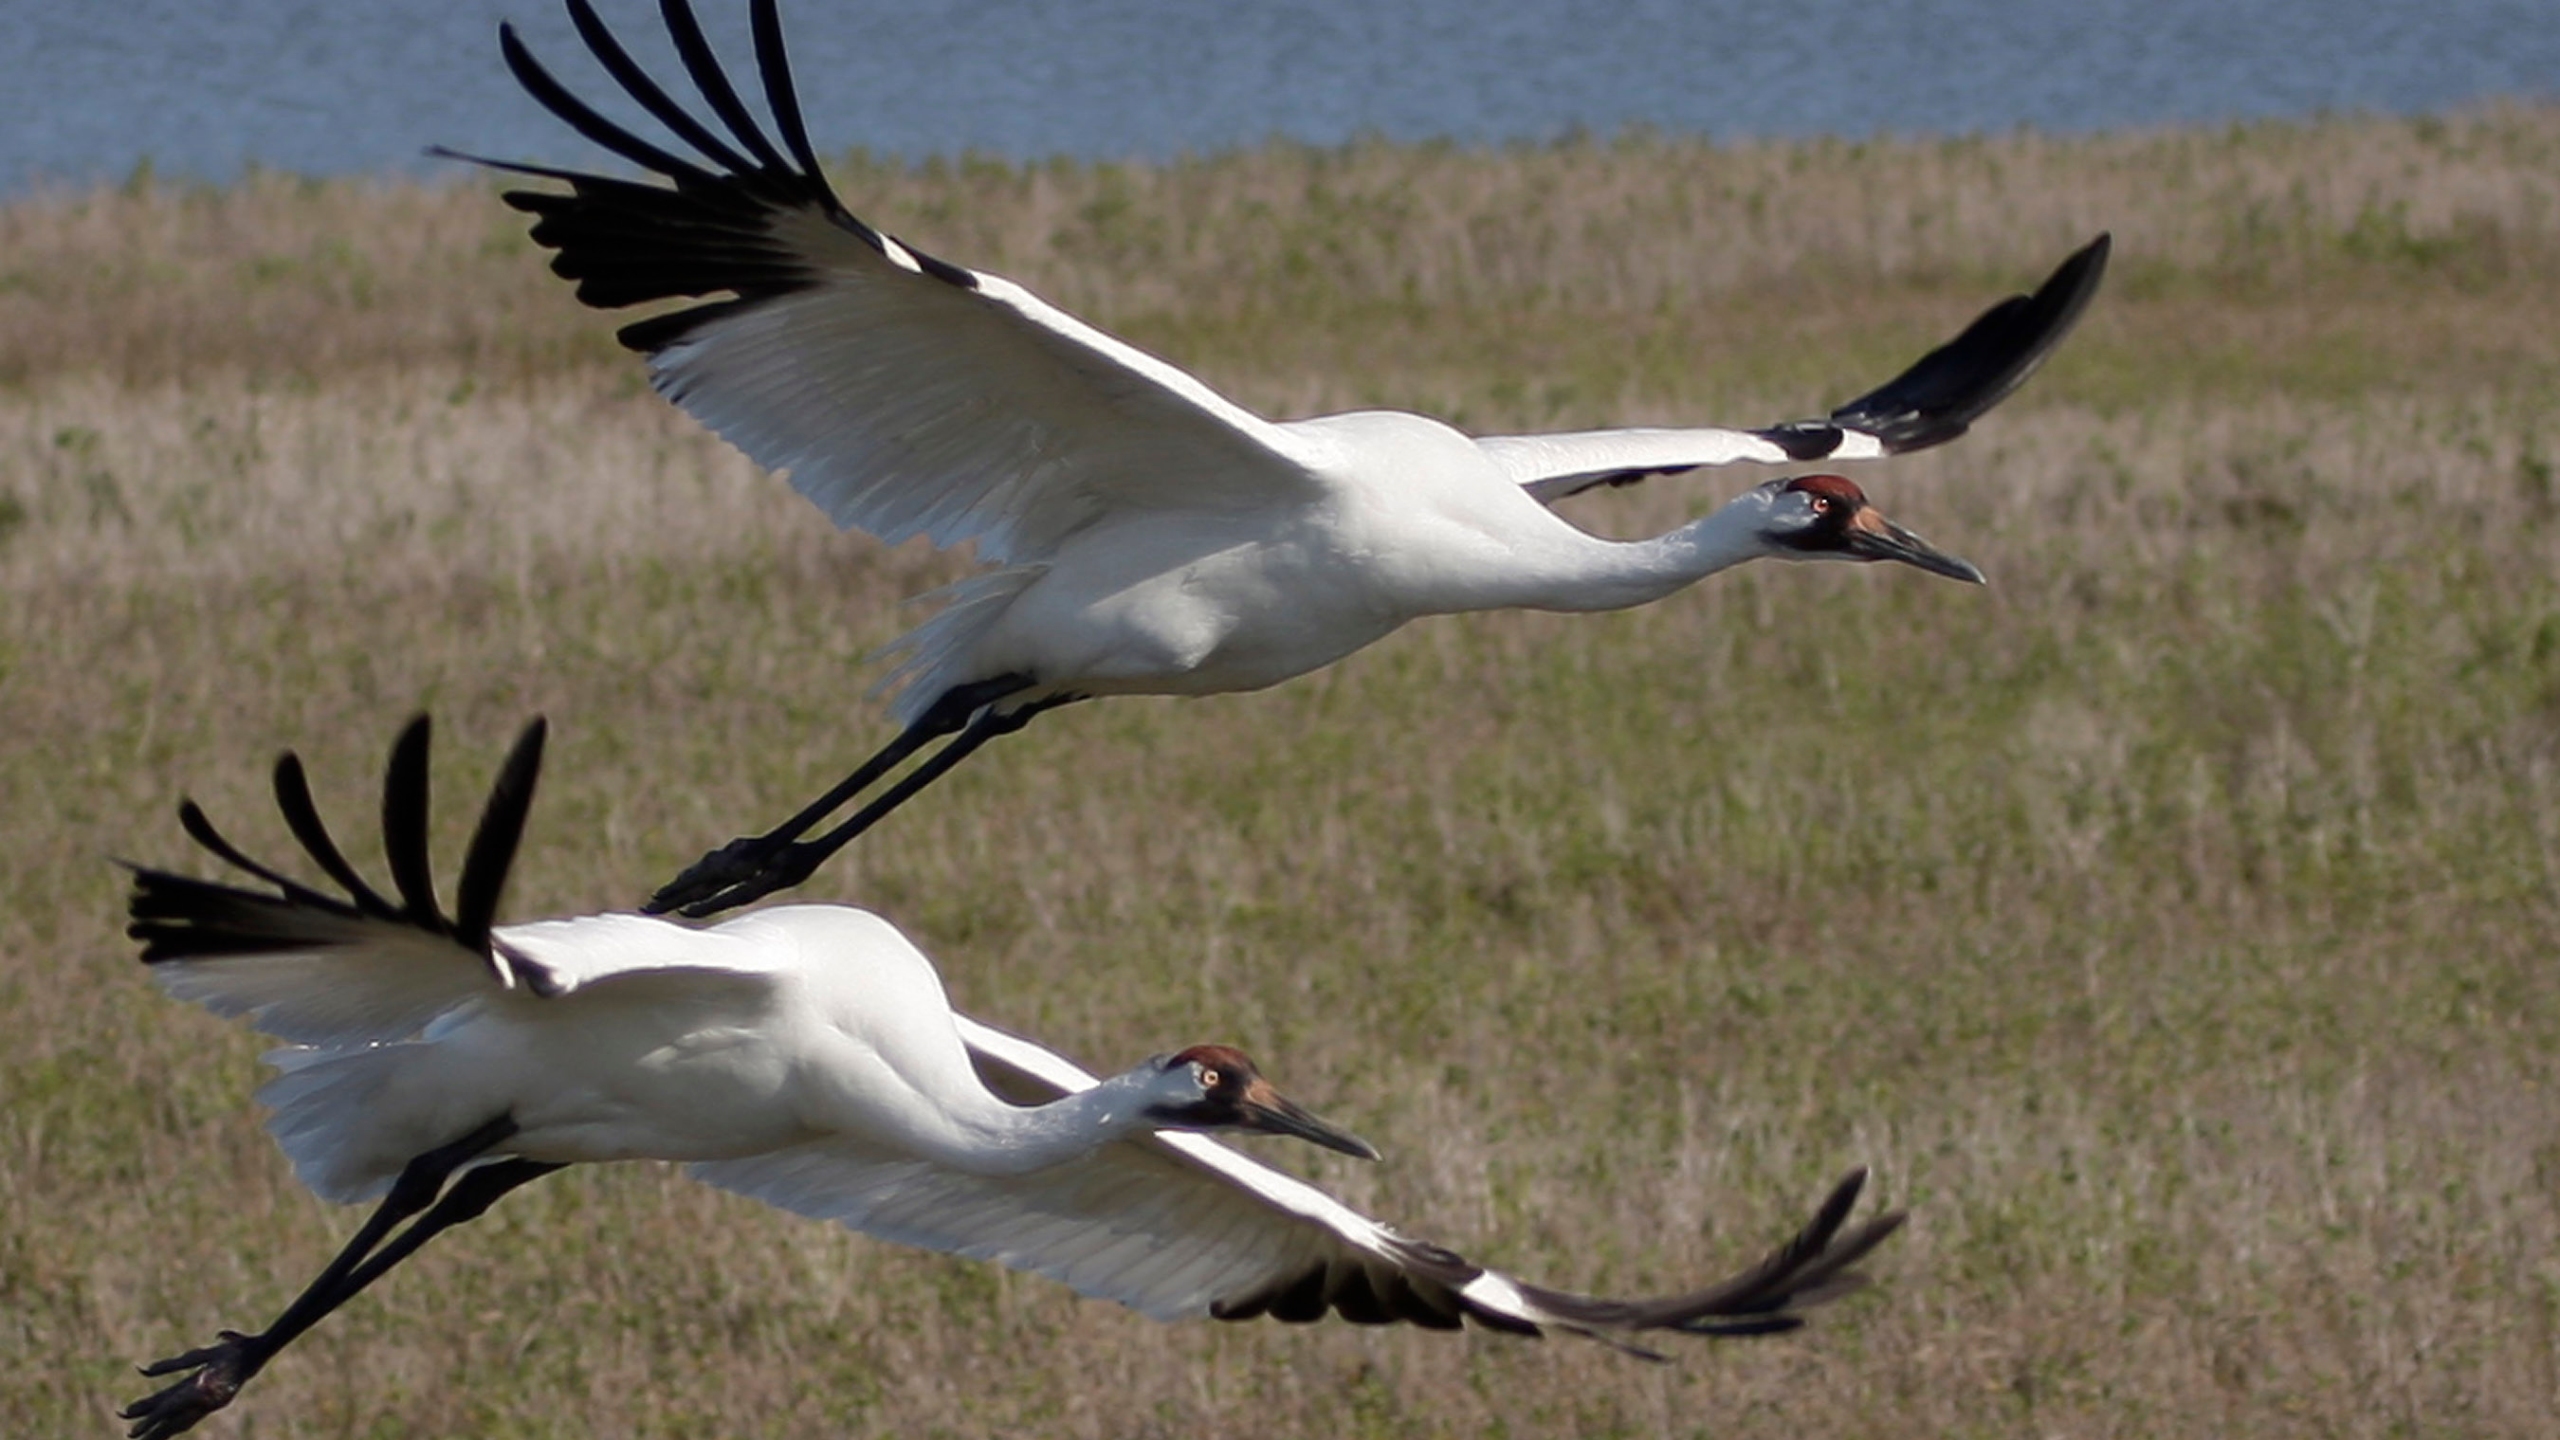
317, 969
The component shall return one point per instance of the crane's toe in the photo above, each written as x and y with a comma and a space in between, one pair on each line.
741, 860
788, 866
216, 1373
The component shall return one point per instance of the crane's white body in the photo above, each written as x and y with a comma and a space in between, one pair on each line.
805, 1056
646, 1039
652, 1041
1146, 534
1208, 601
1151, 534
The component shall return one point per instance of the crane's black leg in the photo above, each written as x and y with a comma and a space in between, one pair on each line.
750, 857
750, 861
788, 865
217, 1371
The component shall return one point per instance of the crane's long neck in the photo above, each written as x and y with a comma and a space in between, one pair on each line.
1590, 573
1004, 1139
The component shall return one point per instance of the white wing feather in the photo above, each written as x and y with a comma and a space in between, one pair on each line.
903, 404
343, 981
346, 981
1525, 459
1168, 1226
1127, 1223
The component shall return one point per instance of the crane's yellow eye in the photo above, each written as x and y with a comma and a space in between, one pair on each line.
1208, 1079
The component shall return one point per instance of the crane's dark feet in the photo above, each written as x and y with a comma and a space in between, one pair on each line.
219, 1370
741, 859
743, 870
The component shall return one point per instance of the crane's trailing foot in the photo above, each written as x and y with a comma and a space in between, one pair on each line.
746, 869
218, 1372
754, 866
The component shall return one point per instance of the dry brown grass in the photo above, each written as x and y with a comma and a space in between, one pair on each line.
2168, 925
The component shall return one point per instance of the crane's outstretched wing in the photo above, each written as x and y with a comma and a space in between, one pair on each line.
1180, 1225
317, 970
905, 395
1173, 1225
1931, 403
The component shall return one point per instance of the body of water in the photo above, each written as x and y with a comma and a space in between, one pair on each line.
202, 89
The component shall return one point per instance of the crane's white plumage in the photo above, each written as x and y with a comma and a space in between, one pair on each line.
903, 406
1149, 535
805, 1056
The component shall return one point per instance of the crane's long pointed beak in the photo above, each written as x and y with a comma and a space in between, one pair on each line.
1870, 536
1267, 1110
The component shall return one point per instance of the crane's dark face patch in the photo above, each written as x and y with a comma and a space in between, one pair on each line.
1828, 517
1234, 1096
1836, 504
1225, 1072
1227, 1084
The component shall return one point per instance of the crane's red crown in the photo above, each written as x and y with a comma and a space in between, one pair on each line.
1225, 1059
1836, 487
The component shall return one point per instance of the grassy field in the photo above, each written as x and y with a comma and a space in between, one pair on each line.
2169, 924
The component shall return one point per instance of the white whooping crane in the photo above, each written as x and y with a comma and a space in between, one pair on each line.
1147, 535
805, 1056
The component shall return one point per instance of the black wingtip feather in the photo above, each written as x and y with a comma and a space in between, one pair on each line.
942, 270
1423, 1284
1811, 1268
718, 230
1746, 1329
494, 841
1945, 391
293, 798
712, 83
192, 819
178, 917
648, 337
765, 18
636, 83
404, 827
553, 96
1775, 1282
1804, 440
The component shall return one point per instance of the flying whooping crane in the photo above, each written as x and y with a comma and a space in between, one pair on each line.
805, 1056
1147, 535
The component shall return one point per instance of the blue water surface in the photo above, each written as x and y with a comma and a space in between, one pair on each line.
203, 89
